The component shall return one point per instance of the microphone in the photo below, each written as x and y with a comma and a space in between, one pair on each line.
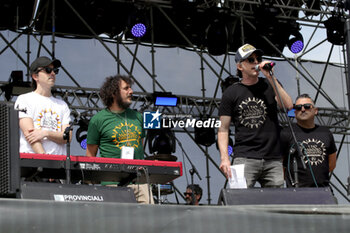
75, 114
267, 66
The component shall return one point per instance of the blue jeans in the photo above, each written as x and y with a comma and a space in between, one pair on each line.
269, 173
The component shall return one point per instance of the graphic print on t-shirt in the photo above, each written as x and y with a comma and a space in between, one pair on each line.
315, 150
49, 120
126, 134
252, 112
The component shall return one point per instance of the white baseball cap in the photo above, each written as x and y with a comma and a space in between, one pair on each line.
245, 51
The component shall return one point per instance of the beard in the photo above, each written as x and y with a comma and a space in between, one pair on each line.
122, 104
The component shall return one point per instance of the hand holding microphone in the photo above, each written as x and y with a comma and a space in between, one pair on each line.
268, 66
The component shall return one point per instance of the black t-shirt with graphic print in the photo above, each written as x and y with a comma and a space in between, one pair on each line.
253, 110
317, 143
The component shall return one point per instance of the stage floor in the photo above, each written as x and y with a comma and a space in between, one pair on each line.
24, 215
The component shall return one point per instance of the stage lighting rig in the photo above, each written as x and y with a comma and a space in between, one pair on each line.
16, 86
161, 141
164, 99
296, 42
81, 133
335, 26
217, 33
138, 22
229, 146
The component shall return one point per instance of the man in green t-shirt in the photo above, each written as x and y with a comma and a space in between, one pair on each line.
117, 130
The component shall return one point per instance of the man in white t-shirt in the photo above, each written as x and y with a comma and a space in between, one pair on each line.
42, 117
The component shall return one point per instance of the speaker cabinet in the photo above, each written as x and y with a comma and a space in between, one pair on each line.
76, 193
9, 150
262, 196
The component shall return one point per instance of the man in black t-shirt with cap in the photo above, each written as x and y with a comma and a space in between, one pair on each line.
251, 105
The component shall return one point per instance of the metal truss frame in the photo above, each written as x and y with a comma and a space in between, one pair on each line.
87, 100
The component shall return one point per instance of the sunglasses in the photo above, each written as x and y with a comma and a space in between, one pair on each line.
49, 70
187, 194
298, 107
252, 59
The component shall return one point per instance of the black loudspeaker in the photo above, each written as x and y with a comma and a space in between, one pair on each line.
76, 193
9, 150
262, 196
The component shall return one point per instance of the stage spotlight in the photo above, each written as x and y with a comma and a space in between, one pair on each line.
295, 42
217, 38
164, 99
81, 133
291, 113
335, 30
82, 141
217, 33
228, 82
161, 141
16, 86
230, 146
138, 30
204, 136
138, 22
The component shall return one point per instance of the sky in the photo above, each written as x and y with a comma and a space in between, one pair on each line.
179, 71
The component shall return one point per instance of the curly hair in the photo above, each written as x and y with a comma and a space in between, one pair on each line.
111, 88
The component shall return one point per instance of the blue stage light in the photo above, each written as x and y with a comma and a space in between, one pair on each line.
166, 101
81, 133
230, 150
230, 147
83, 144
297, 46
296, 43
138, 30
291, 113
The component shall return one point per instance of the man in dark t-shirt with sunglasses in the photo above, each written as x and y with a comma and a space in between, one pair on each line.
251, 105
316, 143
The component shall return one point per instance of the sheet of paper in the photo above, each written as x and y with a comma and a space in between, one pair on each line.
237, 181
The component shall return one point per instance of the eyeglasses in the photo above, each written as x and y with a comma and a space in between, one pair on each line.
49, 70
298, 107
252, 59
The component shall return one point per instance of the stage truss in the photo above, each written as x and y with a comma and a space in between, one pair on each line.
87, 100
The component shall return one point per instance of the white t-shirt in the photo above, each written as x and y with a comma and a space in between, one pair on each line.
48, 113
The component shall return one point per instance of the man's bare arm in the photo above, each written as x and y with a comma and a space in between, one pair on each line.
223, 140
26, 124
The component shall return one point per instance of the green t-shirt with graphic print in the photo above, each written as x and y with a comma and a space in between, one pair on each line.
111, 131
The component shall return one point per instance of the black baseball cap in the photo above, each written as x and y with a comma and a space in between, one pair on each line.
43, 62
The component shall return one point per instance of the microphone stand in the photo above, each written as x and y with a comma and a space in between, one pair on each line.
193, 198
299, 153
192, 171
66, 136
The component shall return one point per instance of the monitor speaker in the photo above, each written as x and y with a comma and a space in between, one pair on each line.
76, 193
9, 150
263, 196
